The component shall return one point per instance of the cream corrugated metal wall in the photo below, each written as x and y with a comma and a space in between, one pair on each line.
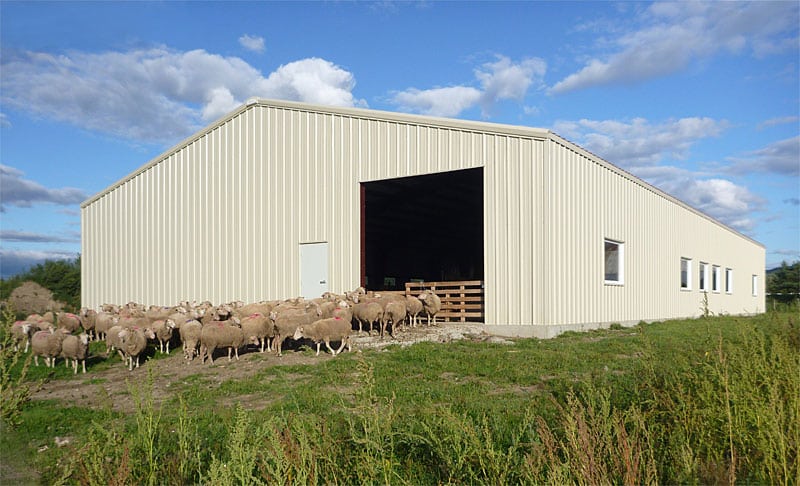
588, 201
221, 216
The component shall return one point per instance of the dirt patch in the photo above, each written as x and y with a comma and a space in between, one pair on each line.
110, 387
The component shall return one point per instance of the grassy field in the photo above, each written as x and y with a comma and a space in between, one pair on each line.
714, 400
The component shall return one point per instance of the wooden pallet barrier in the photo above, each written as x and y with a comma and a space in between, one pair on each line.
462, 301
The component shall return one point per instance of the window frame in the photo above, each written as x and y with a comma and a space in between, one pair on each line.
620, 262
716, 284
754, 283
688, 282
728, 280
703, 275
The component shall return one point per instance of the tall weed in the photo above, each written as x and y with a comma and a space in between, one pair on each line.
14, 390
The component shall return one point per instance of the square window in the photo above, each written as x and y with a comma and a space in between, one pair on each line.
686, 274
614, 263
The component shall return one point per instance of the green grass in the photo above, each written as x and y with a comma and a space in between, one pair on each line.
693, 401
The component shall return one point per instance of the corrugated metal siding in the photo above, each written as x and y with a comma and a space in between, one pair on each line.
587, 202
221, 216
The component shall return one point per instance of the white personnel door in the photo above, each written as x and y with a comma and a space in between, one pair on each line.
313, 269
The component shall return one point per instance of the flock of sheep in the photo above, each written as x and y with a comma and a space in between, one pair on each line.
203, 328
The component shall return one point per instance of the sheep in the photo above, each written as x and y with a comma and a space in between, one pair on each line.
395, 313
163, 332
48, 345
431, 304
263, 308
22, 330
113, 341
190, 337
75, 348
286, 323
88, 320
258, 329
326, 330
68, 321
343, 310
134, 342
103, 322
413, 307
367, 313
40, 323
221, 334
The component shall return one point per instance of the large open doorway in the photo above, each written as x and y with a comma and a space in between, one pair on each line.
422, 228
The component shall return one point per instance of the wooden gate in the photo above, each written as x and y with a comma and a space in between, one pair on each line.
462, 301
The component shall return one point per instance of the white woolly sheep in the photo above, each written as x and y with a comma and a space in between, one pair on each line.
431, 304
326, 330
413, 307
259, 330
113, 341
75, 348
395, 313
68, 321
367, 313
48, 345
163, 330
88, 320
221, 334
134, 342
102, 323
286, 323
22, 331
190, 337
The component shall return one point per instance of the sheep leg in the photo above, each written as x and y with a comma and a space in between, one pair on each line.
36, 359
75, 367
340, 348
236, 352
83, 363
230, 348
328, 345
318, 345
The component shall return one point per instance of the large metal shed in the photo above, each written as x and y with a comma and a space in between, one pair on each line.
279, 199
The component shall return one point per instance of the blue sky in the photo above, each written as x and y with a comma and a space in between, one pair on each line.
700, 99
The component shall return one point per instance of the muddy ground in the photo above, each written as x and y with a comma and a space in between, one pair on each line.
101, 389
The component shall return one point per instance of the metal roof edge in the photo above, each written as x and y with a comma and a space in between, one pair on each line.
646, 185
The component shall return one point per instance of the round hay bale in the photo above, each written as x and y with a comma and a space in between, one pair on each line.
31, 297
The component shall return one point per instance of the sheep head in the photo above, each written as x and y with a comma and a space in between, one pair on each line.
170, 324
298, 333
84, 339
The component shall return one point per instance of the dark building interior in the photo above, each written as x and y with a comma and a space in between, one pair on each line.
426, 228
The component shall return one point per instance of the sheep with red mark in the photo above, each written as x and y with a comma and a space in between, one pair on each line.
75, 349
221, 334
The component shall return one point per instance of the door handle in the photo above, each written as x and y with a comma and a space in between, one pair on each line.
322, 281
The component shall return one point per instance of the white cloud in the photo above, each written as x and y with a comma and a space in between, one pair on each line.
158, 95
721, 199
438, 101
500, 80
4, 122
313, 80
504, 80
781, 157
252, 43
781, 120
640, 146
676, 34
20, 192
637, 142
